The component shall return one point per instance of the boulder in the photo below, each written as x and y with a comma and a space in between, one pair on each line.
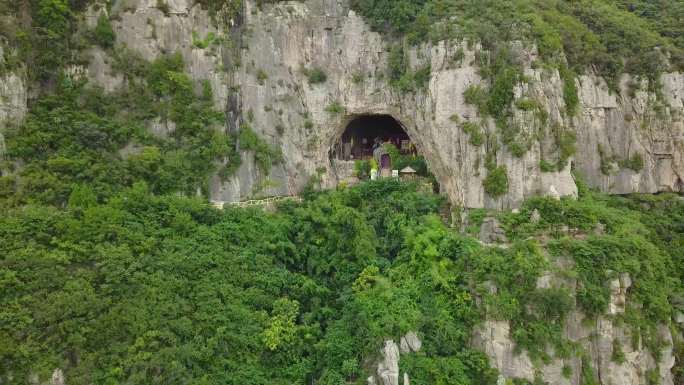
535, 217
57, 377
410, 343
492, 232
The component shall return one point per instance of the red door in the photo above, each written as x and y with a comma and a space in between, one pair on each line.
385, 162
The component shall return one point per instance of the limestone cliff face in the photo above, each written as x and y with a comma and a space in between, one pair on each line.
597, 337
13, 99
285, 39
13, 95
282, 40
257, 74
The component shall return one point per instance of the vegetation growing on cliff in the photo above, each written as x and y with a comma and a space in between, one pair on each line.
496, 101
155, 289
607, 37
635, 36
104, 33
82, 136
265, 155
401, 76
315, 75
496, 182
112, 268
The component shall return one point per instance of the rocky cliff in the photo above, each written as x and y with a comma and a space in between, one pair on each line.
13, 98
286, 38
613, 355
257, 73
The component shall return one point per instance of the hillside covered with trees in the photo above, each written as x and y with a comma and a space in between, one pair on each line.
161, 289
116, 268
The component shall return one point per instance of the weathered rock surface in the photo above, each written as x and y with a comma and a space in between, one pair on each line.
614, 127
57, 377
145, 29
492, 232
388, 368
597, 339
493, 338
13, 99
312, 34
288, 37
410, 343
280, 40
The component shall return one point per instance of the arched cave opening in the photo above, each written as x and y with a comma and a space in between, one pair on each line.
379, 142
364, 132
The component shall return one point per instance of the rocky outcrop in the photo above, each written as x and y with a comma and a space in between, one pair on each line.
13, 98
287, 38
57, 377
388, 368
627, 141
410, 343
492, 232
613, 128
493, 338
598, 339
278, 42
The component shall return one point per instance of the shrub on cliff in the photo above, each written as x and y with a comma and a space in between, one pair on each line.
496, 182
104, 33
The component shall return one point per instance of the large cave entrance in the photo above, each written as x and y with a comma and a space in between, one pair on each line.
377, 146
366, 133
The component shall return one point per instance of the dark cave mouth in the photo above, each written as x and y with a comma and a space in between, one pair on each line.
380, 142
363, 133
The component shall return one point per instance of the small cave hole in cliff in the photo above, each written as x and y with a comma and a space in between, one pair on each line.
378, 142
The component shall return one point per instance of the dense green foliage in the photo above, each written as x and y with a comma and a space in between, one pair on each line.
159, 289
630, 35
148, 289
44, 33
400, 74
496, 181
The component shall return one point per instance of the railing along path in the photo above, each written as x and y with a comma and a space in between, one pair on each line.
257, 202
